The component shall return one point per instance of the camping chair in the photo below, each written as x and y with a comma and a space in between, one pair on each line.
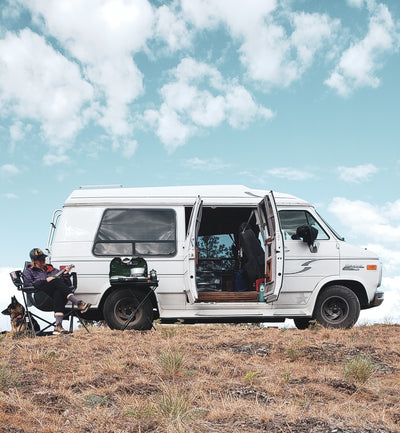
33, 296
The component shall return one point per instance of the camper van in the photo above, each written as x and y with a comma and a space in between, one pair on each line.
221, 253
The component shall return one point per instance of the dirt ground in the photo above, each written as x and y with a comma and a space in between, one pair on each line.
211, 378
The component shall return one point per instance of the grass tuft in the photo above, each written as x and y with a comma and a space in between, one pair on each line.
360, 369
295, 349
251, 375
8, 379
177, 408
172, 361
95, 400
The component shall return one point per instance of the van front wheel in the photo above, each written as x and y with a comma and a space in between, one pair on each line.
121, 304
337, 307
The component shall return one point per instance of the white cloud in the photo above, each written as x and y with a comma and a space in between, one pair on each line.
390, 257
290, 173
389, 310
358, 65
55, 158
168, 127
87, 74
267, 47
171, 27
200, 97
7, 170
38, 83
127, 147
356, 3
377, 223
357, 174
311, 32
102, 35
236, 14
10, 196
381, 226
18, 130
212, 164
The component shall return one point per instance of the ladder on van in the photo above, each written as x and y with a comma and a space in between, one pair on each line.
53, 226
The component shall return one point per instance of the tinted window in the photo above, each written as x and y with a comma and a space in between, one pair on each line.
291, 219
132, 232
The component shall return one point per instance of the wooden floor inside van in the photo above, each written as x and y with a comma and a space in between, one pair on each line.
228, 296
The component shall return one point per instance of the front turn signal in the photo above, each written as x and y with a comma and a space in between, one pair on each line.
372, 267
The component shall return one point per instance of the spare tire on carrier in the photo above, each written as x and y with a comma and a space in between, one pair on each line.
119, 306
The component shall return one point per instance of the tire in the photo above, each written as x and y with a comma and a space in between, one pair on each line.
337, 307
302, 322
120, 304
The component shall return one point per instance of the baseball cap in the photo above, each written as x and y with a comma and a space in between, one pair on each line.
37, 254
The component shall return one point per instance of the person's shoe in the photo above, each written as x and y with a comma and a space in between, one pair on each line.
83, 306
60, 330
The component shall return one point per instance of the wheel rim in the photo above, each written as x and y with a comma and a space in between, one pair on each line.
335, 309
123, 310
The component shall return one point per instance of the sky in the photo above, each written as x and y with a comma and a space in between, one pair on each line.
296, 96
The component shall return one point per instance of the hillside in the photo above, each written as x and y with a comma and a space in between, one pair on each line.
217, 378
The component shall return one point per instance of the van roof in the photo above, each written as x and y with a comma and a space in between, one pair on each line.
178, 195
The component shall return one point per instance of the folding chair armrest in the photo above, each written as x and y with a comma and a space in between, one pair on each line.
28, 289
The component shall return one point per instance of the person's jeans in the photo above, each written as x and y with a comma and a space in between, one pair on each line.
58, 290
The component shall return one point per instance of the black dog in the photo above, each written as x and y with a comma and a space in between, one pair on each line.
19, 318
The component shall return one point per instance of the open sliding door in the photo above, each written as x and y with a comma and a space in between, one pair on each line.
189, 260
268, 222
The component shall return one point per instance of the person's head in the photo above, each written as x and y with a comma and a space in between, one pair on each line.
37, 256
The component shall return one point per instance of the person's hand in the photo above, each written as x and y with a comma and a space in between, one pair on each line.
48, 279
67, 269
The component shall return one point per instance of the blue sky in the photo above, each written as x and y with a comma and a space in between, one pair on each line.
291, 95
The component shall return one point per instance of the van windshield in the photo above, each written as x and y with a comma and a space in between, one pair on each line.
341, 238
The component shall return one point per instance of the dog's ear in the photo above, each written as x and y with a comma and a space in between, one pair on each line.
6, 312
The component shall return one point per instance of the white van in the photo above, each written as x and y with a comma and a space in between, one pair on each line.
214, 248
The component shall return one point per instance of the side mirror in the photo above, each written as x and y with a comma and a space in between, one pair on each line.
314, 247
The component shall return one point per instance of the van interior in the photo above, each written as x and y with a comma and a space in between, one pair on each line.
230, 257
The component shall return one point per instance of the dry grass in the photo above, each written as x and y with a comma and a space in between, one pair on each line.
214, 378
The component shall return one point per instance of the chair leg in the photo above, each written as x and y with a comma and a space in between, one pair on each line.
31, 315
71, 314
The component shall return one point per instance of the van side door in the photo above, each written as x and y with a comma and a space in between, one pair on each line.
190, 253
270, 230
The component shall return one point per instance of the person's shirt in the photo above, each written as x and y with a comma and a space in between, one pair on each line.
36, 277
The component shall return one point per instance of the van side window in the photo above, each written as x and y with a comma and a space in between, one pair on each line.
136, 232
291, 219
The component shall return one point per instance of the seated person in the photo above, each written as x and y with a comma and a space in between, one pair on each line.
41, 276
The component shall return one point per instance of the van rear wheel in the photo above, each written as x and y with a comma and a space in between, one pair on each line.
337, 307
121, 304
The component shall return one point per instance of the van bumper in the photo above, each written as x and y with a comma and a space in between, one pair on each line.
378, 299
